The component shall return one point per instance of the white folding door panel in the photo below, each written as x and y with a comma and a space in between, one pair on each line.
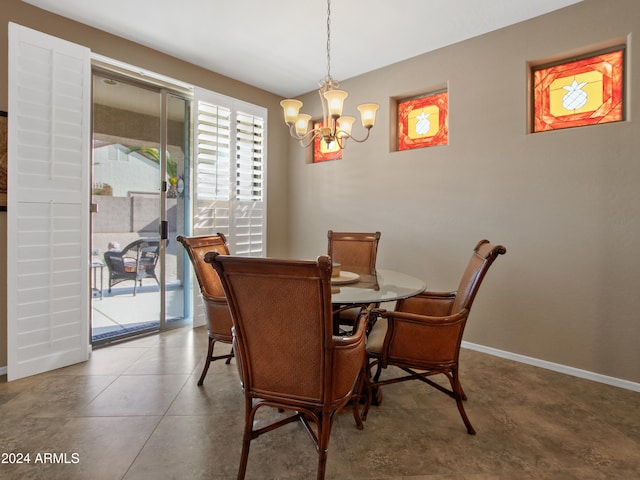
48, 203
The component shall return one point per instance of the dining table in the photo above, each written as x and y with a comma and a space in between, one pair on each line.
383, 286
351, 289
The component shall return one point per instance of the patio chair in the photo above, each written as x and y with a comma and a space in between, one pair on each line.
135, 262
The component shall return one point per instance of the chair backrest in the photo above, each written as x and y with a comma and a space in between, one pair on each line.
282, 318
196, 248
355, 252
484, 254
145, 252
148, 250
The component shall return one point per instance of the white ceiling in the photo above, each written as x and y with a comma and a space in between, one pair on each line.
280, 45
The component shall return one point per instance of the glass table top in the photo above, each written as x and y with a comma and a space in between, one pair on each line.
385, 286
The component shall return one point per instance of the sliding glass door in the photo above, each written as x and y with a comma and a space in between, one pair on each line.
140, 157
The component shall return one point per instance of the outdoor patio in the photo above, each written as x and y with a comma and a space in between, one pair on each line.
120, 312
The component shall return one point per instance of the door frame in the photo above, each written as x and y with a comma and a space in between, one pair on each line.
166, 89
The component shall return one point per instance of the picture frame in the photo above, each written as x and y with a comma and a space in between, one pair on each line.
423, 121
4, 133
579, 92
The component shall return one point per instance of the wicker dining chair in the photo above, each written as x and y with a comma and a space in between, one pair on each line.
215, 304
355, 252
422, 336
286, 352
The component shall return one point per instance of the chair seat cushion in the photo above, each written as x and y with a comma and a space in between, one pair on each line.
129, 265
375, 339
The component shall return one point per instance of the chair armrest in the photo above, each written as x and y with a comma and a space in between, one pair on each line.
415, 339
214, 298
359, 330
113, 259
349, 359
438, 295
437, 304
408, 317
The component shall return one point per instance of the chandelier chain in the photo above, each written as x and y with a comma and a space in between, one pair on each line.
328, 39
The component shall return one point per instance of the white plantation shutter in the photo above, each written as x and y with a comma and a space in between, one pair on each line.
213, 152
229, 184
229, 175
248, 215
48, 203
212, 190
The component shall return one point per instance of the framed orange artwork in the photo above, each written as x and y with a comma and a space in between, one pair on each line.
323, 152
581, 92
423, 121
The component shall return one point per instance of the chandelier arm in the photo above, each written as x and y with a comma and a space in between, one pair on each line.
342, 134
311, 133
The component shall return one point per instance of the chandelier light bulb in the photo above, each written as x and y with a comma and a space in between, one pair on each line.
368, 114
335, 102
302, 124
345, 124
291, 108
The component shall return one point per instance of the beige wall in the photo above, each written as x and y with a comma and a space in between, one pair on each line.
120, 49
566, 204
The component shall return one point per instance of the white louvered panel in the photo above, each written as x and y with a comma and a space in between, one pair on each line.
48, 219
229, 179
49, 122
211, 217
212, 153
249, 229
50, 275
250, 133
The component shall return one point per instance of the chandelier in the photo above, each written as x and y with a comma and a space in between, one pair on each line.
335, 127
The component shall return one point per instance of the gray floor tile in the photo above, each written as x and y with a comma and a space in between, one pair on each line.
134, 412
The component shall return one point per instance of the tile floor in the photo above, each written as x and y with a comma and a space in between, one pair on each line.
134, 412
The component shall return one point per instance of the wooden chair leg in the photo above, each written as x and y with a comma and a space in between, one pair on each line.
459, 397
212, 358
373, 394
249, 416
324, 434
207, 361
231, 355
359, 396
242, 470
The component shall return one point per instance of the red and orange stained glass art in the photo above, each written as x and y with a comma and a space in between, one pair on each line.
323, 152
423, 122
583, 92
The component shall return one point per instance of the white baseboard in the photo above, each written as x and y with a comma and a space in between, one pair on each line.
556, 367
3, 370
